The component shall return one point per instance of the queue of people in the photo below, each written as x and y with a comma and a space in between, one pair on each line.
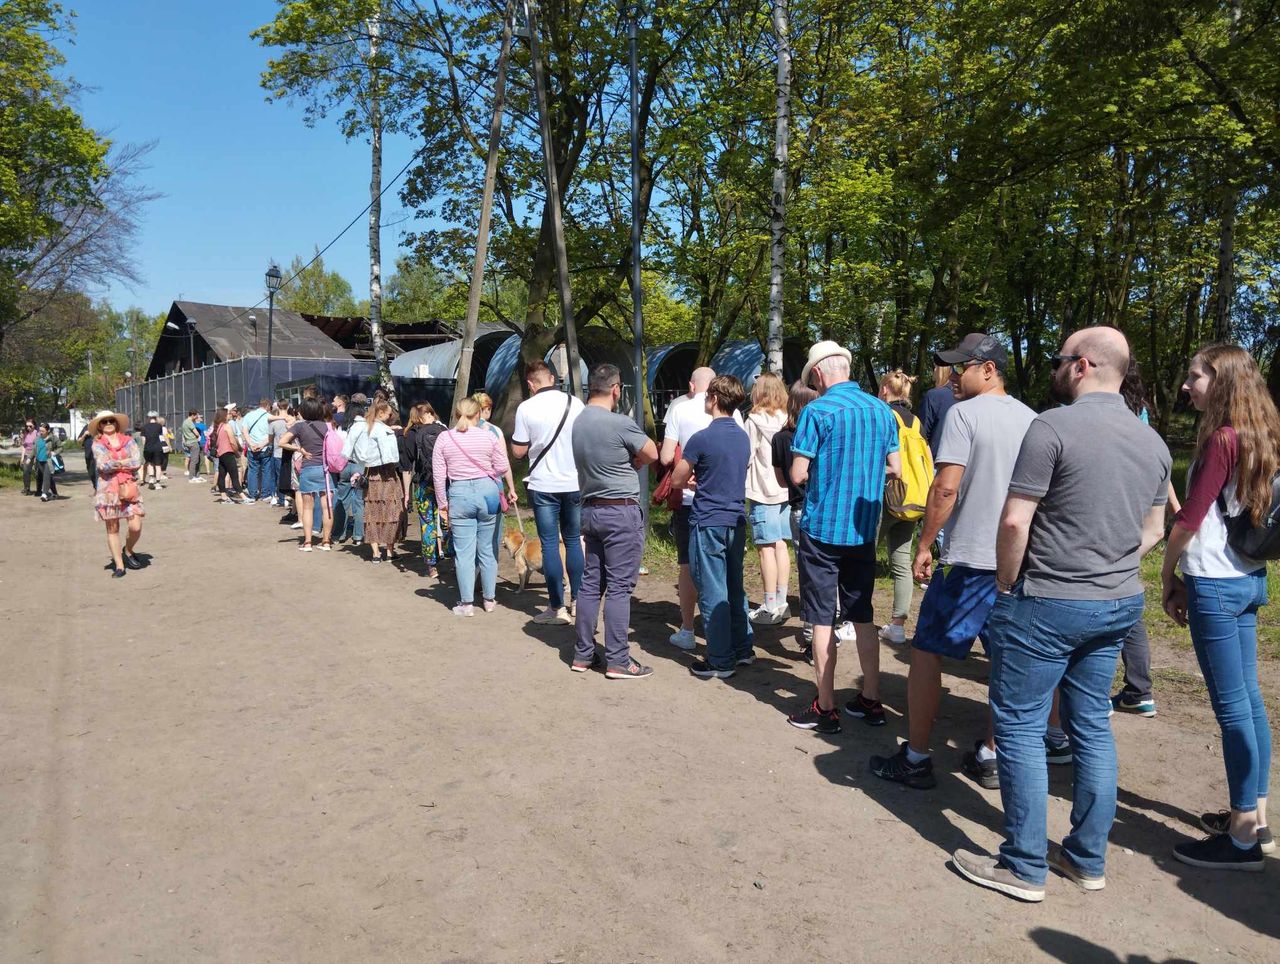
1026, 533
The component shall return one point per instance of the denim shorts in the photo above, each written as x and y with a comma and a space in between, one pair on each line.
954, 610
311, 479
770, 523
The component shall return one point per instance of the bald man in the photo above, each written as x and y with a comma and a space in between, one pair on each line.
691, 416
1086, 502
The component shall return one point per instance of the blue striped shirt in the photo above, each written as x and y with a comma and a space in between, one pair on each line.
848, 434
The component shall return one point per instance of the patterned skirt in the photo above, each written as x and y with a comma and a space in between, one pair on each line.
383, 506
434, 538
107, 504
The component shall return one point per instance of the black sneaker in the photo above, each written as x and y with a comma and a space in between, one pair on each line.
871, 712
704, 670
117, 573
1220, 822
1220, 853
806, 654
812, 718
1057, 755
983, 772
1132, 703
899, 769
131, 561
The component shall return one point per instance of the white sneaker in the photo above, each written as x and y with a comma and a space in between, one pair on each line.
683, 639
761, 616
296, 525
781, 614
196, 479
846, 632
893, 633
553, 617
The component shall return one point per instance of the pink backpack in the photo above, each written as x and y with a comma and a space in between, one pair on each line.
333, 459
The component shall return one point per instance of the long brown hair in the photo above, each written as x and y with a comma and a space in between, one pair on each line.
799, 396
418, 414
1238, 397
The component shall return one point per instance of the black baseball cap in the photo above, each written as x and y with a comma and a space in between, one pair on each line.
975, 346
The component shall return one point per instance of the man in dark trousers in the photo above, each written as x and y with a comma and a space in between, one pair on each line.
607, 450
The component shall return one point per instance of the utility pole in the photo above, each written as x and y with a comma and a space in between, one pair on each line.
553, 196
637, 291
463, 384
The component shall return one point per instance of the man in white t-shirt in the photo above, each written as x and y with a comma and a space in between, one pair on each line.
691, 416
543, 431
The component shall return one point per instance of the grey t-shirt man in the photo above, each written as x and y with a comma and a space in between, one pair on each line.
604, 445
279, 429
1097, 471
983, 434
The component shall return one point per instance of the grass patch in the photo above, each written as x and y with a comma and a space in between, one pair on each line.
10, 473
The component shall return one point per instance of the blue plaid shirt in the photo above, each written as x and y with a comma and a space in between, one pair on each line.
848, 434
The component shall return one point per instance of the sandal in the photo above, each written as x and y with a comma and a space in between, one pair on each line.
326, 547
305, 547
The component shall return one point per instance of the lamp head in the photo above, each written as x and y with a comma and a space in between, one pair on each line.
274, 280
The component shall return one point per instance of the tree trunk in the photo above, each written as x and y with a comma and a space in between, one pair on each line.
1224, 279
777, 212
375, 215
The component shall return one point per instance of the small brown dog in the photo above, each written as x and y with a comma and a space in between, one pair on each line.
527, 554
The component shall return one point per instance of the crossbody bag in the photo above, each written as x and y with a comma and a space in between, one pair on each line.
555, 435
503, 504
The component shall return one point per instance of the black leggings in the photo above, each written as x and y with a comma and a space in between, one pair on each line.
228, 468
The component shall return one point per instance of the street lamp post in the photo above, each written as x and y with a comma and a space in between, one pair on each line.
191, 336
273, 285
133, 384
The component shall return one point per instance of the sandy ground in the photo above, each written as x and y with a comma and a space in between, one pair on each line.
247, 754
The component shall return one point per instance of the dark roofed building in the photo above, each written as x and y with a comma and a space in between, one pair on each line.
225, 332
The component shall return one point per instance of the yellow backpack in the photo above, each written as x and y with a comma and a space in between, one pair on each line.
905, 497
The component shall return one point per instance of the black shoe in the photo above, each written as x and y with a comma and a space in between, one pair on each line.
131, 561
704, 670
901, 770
983, 772
117, 573
1057, 755
871, 712
1220, 853
1219, 822
806, 654
812, 718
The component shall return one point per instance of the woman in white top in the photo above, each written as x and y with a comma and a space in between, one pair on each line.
1237, 454
768, 512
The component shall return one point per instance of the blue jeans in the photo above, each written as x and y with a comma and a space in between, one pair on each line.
473, 508
1223, 616
558, 516
348, 509
1039, 645
715, 563
261, 482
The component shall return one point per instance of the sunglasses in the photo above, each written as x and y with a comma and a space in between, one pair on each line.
1057, 360
959, 367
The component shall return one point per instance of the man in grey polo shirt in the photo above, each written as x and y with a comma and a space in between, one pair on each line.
607, 450
1086, 502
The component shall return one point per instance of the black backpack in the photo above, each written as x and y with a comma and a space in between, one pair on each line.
1255, 542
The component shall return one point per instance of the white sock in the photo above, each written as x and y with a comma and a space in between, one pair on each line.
985, 755
770, 600
914, 757
781, 595
1240, 845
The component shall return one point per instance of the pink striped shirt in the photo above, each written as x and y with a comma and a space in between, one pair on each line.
449, 459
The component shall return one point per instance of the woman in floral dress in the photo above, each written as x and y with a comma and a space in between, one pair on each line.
420, 494
118, 460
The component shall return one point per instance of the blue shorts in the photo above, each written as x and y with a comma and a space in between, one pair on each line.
835, 573
954, 610
311, 480
770, 523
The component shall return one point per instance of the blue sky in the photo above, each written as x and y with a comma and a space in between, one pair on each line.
244, 181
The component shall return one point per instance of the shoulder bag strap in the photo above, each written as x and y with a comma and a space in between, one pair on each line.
467, 455
543, 454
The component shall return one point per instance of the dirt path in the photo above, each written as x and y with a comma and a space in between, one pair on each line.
338, 770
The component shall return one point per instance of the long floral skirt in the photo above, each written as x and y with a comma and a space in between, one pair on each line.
434, 538
383, 506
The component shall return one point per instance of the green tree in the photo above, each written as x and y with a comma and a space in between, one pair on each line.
50, 163
315, 290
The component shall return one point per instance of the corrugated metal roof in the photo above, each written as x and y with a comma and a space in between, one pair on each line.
231, 332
